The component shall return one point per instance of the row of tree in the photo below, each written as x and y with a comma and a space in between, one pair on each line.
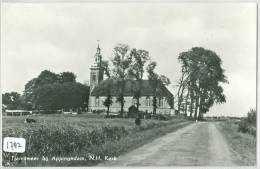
199, 86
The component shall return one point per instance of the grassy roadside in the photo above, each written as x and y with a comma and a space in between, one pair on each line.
143, 137
137, 139
243, 145
70, 140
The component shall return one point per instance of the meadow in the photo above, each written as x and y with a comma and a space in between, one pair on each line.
242, 144
56, 138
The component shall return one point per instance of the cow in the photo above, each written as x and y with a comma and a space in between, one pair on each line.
27, 120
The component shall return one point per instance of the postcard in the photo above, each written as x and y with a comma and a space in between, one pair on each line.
128, 84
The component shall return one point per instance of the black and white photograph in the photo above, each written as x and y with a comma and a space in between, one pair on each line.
140, 84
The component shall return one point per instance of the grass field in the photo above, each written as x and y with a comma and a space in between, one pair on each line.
242, 144
80, 136
82, 121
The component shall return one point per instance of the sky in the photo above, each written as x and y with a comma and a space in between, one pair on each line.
63, 37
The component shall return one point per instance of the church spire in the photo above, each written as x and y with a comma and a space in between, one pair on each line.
98, 56
98, 48
97, 71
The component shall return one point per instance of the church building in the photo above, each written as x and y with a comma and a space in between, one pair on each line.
101, 87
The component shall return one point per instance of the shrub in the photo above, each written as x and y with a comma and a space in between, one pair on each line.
252, 131
113, 116
138, 121
148, 116
161, 117
98, 111
243, 126
251, 117
248, 124
132, 112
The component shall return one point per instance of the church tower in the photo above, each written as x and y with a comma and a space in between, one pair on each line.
96, 70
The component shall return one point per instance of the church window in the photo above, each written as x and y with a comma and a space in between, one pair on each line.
160, 102
134, 101
93, 77
97, 101
163, 102
148, 101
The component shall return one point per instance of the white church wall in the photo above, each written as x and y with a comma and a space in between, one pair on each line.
96, 103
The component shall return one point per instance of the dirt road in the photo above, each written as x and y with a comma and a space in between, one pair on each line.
199, 144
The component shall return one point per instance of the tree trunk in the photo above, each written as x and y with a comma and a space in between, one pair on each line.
178, 96
122, 107
197, 100
137, 103
199, 106
138, 93
186, 104
108, 110
180, 99
196, 106
202, 98
154, 105
122, 100
178, 93
196, 109
191, 103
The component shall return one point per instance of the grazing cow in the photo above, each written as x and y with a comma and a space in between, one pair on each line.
27, 120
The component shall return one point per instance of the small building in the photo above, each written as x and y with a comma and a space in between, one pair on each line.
18, 112
100, 88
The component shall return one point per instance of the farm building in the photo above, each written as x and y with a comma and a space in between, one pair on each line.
17, 112
100, 88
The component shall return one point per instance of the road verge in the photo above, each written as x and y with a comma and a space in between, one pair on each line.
243, 145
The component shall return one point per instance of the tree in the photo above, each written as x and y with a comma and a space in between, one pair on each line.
75, 96
48, 97
107, 88
51, 91
152, 76
29, 93
108, 101
202, 75
140, 57
157, 82
68, 95
6, 98
121, 62
13, 100
182, 85
67, 77
47, 77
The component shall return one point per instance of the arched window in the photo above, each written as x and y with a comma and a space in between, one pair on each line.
93, 77
97, 101
161, 102
148, 101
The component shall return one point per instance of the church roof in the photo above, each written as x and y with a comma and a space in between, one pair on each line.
112, 87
